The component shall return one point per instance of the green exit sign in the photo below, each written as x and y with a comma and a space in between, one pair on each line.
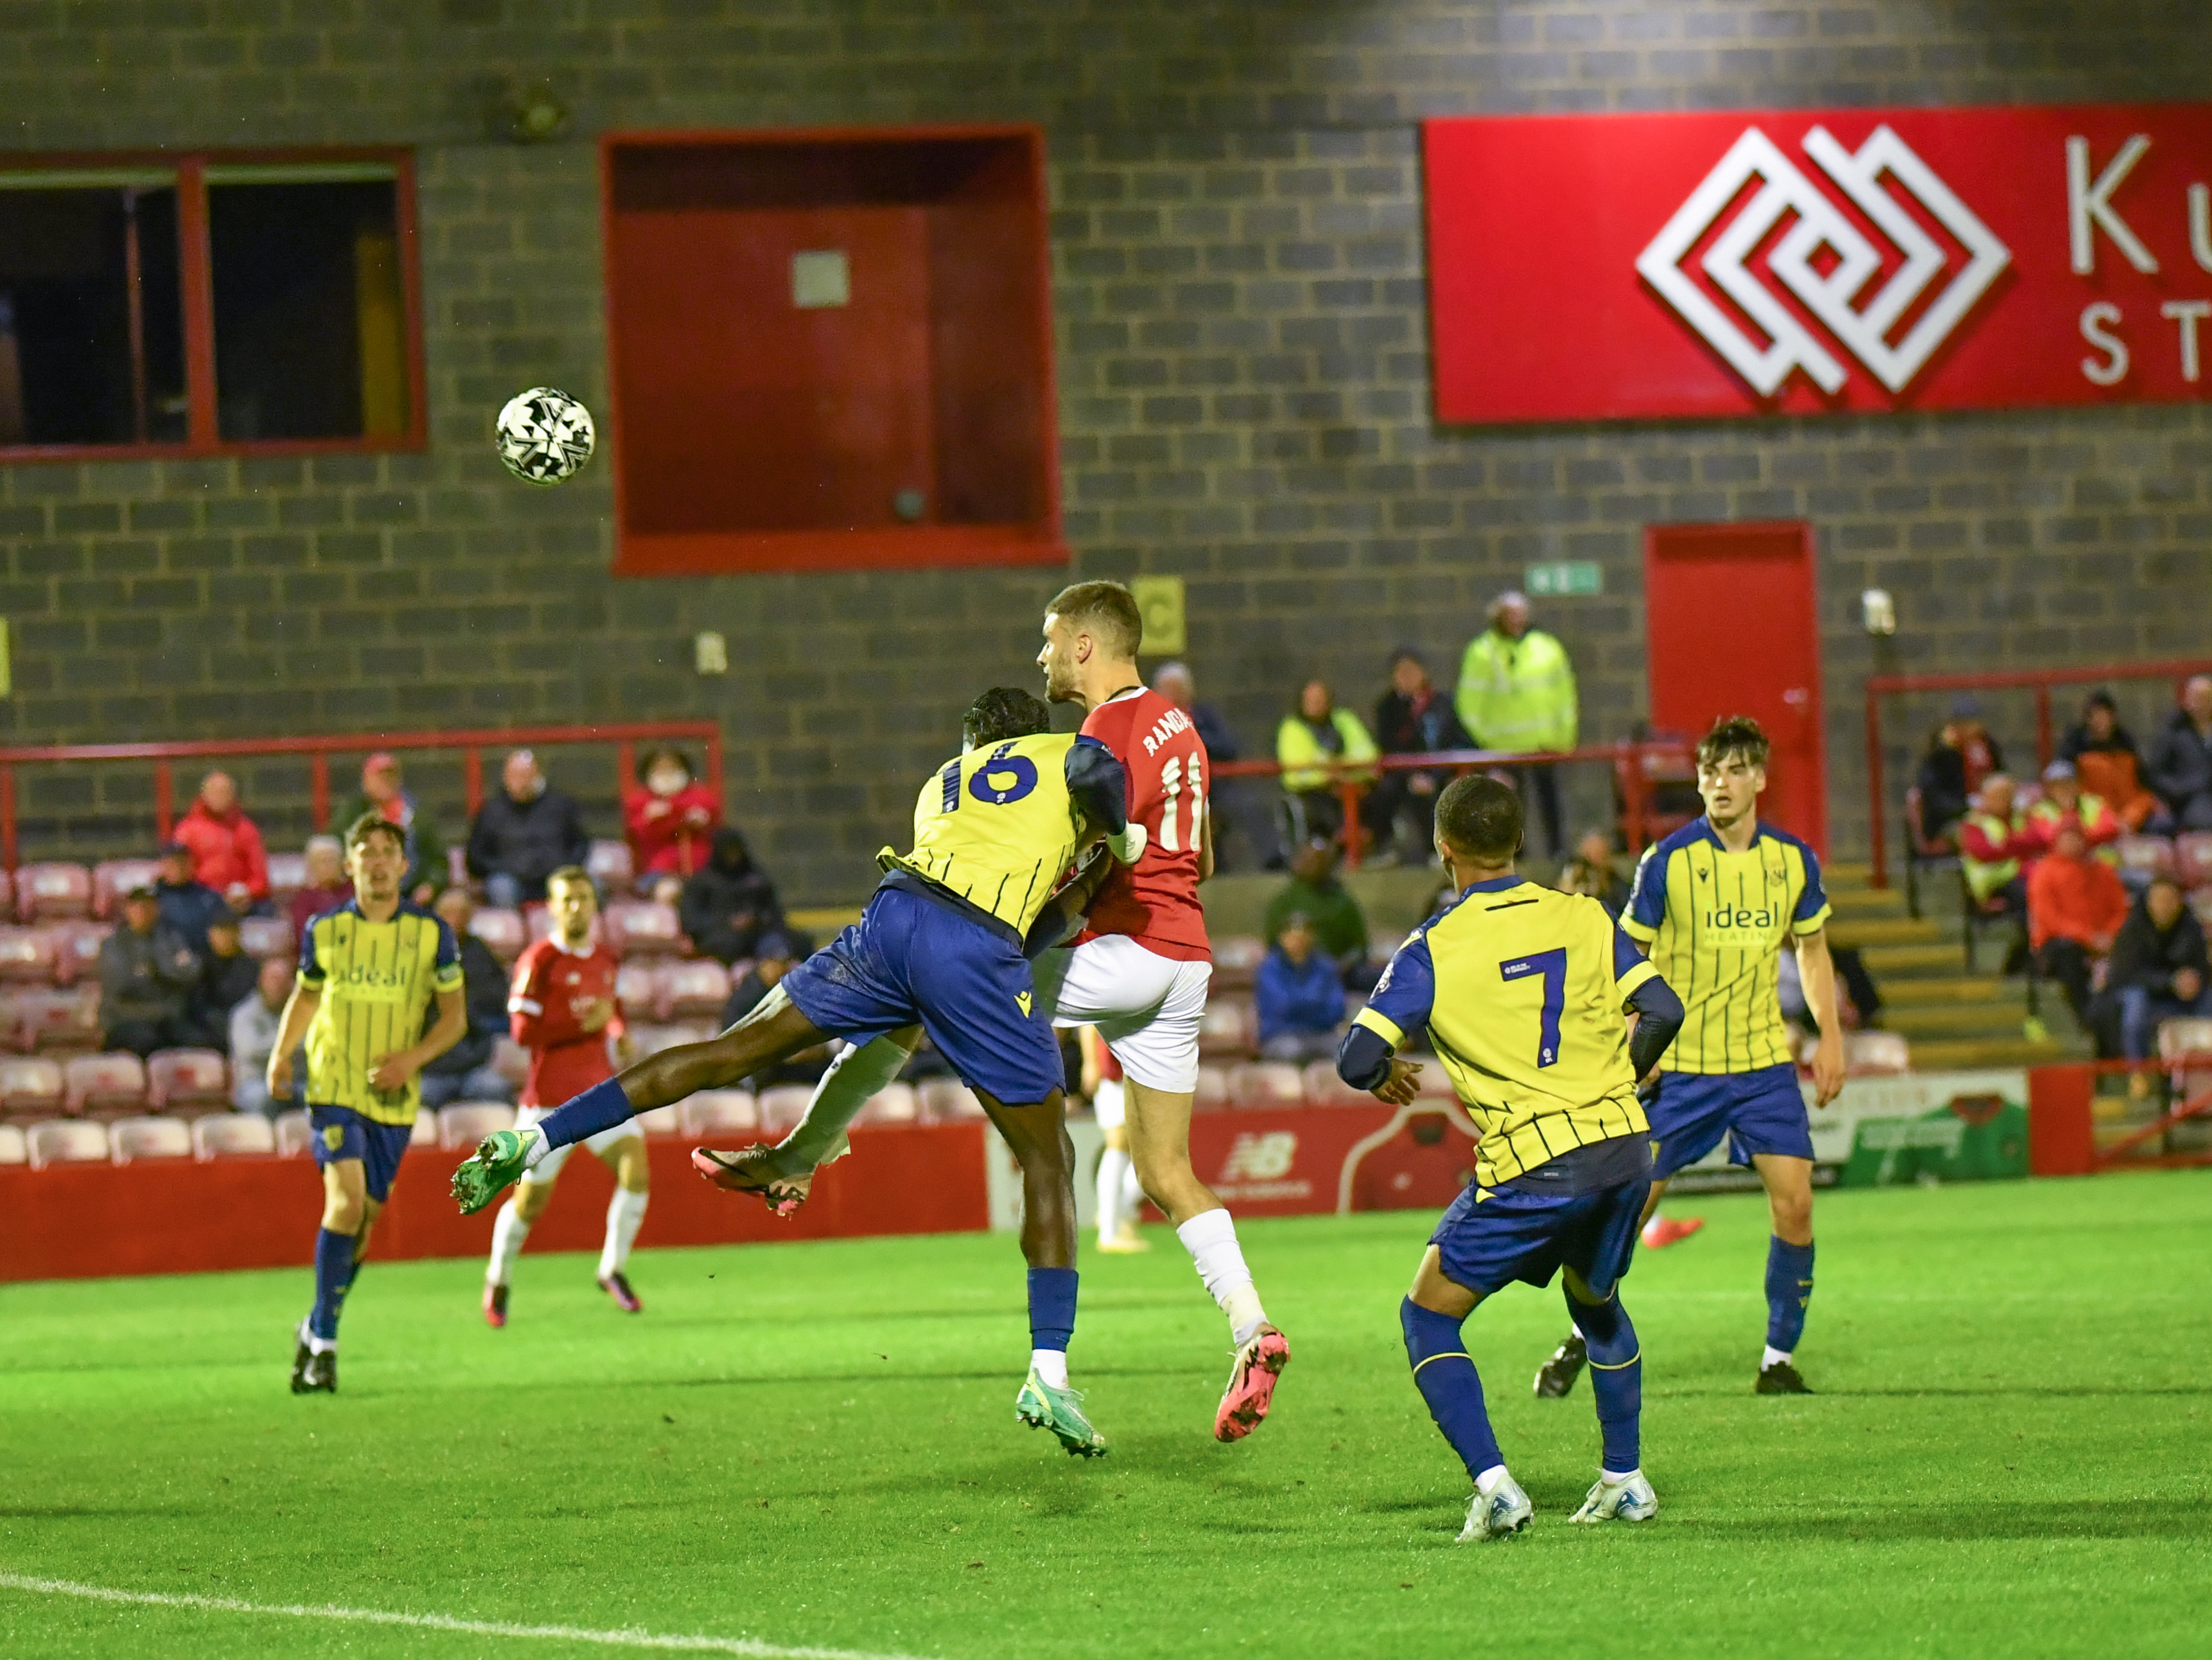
1563, 576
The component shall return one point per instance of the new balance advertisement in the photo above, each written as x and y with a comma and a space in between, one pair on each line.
1644, 266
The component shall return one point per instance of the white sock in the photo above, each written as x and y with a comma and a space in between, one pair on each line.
1613, 1480
625, 1213
1489, 1480
316, 1345
1051, 1365
509, 1231
855, 1076
1774, 1357
1133, 1193
1210, 1238
539, 1146
1114, 1168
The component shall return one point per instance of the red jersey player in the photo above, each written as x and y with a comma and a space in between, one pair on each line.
562, 1010
1140, 974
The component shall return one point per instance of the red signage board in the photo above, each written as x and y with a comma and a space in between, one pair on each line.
1638, 266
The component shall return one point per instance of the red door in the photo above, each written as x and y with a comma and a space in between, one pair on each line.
1734, 628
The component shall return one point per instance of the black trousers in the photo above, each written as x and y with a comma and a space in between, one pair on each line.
2068, 963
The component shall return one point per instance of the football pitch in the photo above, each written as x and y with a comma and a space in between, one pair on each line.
813, 1447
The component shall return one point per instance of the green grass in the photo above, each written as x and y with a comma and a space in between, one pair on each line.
815, 1445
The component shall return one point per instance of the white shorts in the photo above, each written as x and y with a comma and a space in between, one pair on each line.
1146, 1006
1109, 1104
603, 1144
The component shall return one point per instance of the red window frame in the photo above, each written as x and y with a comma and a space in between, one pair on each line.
196, 270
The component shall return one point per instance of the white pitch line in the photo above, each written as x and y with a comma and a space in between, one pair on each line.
619, 1639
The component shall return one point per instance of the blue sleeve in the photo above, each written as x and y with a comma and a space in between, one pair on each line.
1406, 994
1098, 784
1647, 900
1363, 1060
311, 968
1627, 959
1814, 899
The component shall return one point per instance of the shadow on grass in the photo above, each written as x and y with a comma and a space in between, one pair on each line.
2088, 1518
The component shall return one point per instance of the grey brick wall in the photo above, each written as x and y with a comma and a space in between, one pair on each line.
1242, 364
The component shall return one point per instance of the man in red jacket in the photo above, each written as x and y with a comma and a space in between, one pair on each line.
227, 854
562, 1010
2075, 906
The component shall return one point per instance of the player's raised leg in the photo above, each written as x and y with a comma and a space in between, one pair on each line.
1789, 1184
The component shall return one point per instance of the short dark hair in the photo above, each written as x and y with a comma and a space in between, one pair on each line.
1004, 713
571, 873
1481, 818
374, 823
1104, 608
1733, 734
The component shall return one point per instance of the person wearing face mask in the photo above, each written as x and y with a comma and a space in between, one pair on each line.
523, 833
671, 820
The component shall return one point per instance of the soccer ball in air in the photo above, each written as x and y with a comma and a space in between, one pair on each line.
544, 436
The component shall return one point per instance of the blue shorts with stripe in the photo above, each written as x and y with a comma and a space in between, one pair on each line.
1491, 1236
341, 1132
910, 957
1761, 1111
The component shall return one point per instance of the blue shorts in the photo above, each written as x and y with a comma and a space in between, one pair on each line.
1491, 1236
341, 1132
1760, 1112
910, 958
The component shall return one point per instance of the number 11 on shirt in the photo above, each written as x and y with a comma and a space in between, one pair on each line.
1172, 785
1552, 965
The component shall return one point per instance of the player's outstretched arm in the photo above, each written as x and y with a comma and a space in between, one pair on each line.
1659, 1016
1366, 1060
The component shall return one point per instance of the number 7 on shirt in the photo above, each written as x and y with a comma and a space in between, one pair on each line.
1552, 965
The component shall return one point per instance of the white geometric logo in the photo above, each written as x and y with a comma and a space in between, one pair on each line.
1864, 332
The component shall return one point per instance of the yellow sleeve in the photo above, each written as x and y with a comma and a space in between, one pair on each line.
1813, 924
1381, 1024
1636, 931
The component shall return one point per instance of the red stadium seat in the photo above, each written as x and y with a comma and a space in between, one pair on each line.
1227, 1029
639, 927
781, 1108
287, 874
641, 990
1237, 959
114, 878
30, 1087
267, 936
503, 931
1260, 1084
466, 1123
652, 1039
187, 1083
947, 1101
133, 1138
26, 955
2188, 1038
895, 1103
66, 1141
293, 1134
610, 865
46, 891
1212, 1092
2145, 856
111, 1085
425, 1132
46, 1021
1324, 1088
77, 950
719, 1112
696, 988
2192, 859
14, 1148
538, 922
2200, 901
1874, 1054
233, 1135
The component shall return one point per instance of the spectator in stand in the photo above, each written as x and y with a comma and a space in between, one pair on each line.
2180, 766
465, 1072
148, 969
670, 818
1338, 926
774, 953
1517, 692
253, 1027
1243, 824
1592, 873
383, 794
1299, 997
2158, 971
187, 905
1993, 840
1959, 759
524, 834
227, 976
2075, 906
1412, 718
227, 854
1316, 734
2064, 803
730, 903
2109, 765
328, 885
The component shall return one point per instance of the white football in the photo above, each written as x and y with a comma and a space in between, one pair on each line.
544, 435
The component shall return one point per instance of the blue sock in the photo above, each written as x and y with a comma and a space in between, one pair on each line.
333, 1275
1052, 1307
1616, 1379
601, 1107
1788, 1289
1444, 1373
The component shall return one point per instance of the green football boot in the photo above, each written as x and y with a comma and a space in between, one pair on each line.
501, 1159
1044, 1408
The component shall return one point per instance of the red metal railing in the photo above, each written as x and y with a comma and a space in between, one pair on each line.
2061, 1116
472, 742
1879, 686
1626, 761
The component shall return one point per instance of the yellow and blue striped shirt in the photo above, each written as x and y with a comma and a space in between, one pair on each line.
1716, 923
378, 983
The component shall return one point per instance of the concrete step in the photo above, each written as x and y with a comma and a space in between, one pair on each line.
1888, 963
1867, 901
1965, 988
1961, 1020
1969, 1053
1865, 931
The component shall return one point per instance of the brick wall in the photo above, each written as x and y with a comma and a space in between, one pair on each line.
1242, 365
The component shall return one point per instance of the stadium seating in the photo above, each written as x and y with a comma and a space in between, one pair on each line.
49, 891
114, 878
1237, 959
1212, 1092
187, 1083
426, 1130
133, 1138
719, 1112
1872, 1053
66, 1141
30, 1087
638, 989
2144, 856
503, 931
2187, 1037
1323, 1088
44, 1020
662, 1121
1261, 1084
293, 1133
266, 936
1227, 1028
2200, 901
2192, 859
77, 950
610, 865
14, 1149
233, 1136
111, 1086
287, 874
895, 1103
948, 1101
26, 955
639, 927
652, 1039
464, 1123
781, 1108
510, 1061
694, 989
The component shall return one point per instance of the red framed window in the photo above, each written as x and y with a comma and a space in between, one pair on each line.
208, 304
